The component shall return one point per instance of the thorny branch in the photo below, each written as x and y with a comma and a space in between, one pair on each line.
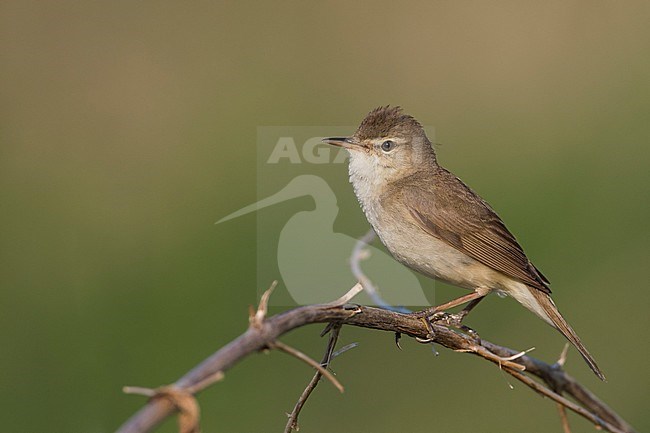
264, 332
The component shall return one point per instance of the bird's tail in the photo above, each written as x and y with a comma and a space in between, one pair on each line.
555, 319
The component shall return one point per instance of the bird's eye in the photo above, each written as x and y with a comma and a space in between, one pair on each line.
387, 146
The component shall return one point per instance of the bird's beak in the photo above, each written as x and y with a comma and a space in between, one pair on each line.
345, 142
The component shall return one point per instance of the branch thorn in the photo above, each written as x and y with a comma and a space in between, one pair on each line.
257, 318
181, 399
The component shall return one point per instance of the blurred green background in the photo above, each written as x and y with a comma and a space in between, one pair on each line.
128, 128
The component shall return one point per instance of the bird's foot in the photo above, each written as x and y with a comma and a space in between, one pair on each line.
425, 316
456, 320
430, 332
430, 316
448, 319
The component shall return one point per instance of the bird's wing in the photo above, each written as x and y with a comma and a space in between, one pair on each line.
459, 217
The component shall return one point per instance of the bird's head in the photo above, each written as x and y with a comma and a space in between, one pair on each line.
387, 146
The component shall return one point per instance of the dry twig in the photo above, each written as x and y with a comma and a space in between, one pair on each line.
564, 419
267, 330
307, 360
292, 423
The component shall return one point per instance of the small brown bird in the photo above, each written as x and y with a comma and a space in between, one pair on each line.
435, 224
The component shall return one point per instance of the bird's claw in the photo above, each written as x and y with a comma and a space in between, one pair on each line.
446, 319
430, 332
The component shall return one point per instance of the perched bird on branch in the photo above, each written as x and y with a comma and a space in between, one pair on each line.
435, 224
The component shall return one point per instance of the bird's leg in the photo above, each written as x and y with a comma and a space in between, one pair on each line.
456, 320
428, 312
430, 331
458, 317
437, 314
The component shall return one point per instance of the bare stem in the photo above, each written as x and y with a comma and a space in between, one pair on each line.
307, 360
292, 423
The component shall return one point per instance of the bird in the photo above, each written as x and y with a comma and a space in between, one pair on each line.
433, 223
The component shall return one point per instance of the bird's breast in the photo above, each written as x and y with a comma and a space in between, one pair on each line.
367, 185
424, 253
406, 240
